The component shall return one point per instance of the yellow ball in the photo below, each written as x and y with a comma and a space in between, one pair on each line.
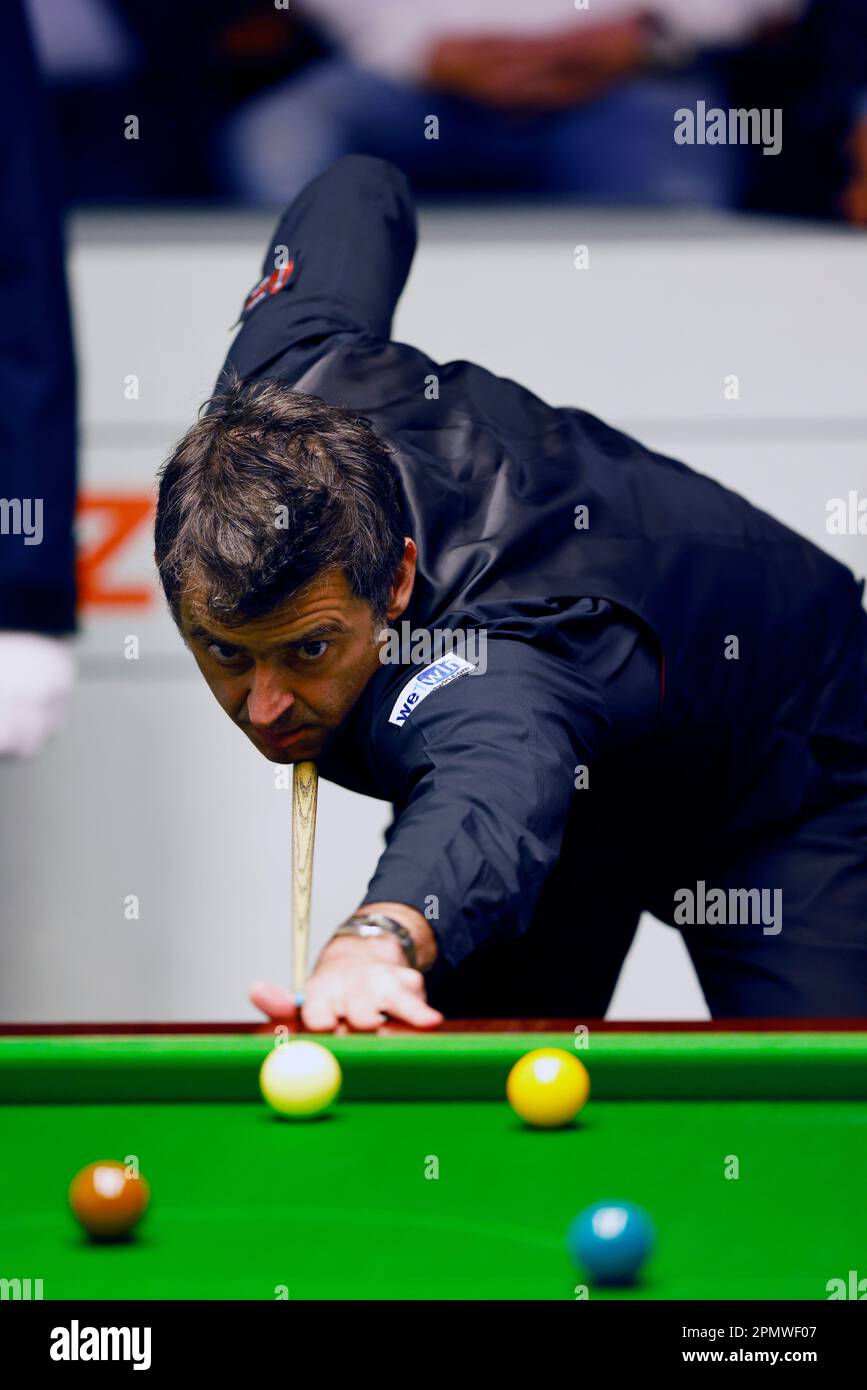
300, 1079
547, 1087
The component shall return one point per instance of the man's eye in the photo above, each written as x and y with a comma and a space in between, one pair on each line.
313, 651
225, 655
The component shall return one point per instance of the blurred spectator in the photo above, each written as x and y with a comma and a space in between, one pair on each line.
527, 97
240, 99
81, 40
37, 411
816, 72
178, 65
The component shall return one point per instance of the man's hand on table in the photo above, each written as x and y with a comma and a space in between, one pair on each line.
359, 980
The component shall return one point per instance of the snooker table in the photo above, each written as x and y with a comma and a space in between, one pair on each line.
422, 1183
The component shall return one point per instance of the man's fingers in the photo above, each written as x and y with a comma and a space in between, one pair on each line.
321, 1012
364, 1015
362, 999
412, 979
405, 1004
318, 1014
396, 994
421, 1015
401, 1007
274, 1001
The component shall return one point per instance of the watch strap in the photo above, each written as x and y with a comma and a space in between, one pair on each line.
366, 924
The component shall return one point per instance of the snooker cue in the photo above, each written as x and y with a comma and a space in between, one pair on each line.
305, 785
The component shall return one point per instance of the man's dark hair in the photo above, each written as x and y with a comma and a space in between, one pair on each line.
269, 488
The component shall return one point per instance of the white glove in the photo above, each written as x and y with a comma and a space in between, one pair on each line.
36, 675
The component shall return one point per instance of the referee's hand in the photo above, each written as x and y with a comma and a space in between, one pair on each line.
363, 983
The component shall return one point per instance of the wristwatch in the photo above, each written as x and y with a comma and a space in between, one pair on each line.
377, 924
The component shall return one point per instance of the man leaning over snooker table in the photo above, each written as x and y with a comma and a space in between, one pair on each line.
662, 698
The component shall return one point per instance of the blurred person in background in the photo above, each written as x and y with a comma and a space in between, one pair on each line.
816, 73
541, 98
37, 412
179, 68
239, 99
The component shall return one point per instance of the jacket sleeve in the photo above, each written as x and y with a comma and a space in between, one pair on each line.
482, 773
349, 238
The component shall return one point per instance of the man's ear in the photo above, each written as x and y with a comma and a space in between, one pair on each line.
404, 579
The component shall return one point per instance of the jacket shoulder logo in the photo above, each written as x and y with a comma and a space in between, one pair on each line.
270, 284
423, 683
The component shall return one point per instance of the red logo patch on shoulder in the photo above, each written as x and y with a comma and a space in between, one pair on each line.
271, 284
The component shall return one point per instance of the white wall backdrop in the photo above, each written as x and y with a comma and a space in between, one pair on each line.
149, 790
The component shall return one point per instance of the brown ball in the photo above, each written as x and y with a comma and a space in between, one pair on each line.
108, 1201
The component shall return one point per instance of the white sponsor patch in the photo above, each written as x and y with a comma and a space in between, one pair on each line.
433, 677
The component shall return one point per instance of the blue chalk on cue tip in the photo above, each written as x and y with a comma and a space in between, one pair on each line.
299, 1000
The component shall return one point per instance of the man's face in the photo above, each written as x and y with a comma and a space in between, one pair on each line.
290, 679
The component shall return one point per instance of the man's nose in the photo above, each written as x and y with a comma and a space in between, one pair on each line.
269, 698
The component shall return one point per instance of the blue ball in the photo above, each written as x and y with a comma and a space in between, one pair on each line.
610, 1241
